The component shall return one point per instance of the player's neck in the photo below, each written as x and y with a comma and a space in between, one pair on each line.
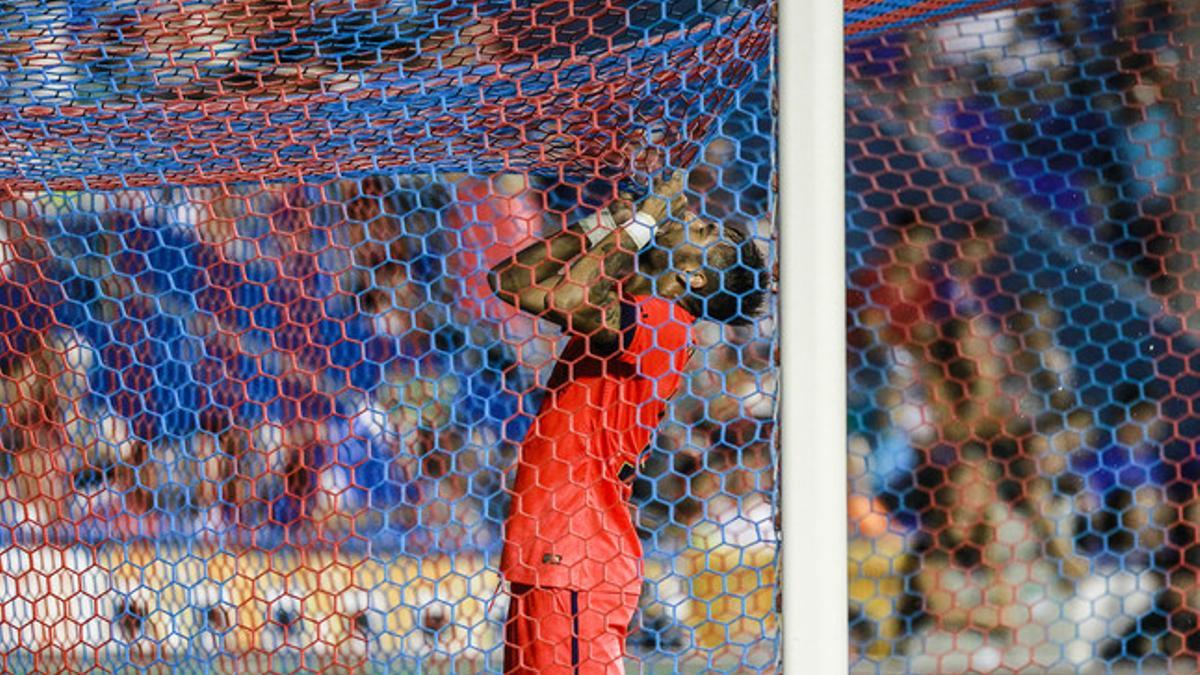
639, 285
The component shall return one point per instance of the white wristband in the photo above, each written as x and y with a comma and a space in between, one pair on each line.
641, 229
598, 226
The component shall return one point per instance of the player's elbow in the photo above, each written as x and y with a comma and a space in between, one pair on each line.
494, 281
502, 281
501, 287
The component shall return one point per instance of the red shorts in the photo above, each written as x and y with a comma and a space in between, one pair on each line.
558, 630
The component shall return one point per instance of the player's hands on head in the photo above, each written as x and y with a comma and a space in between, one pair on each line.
647, 165
665, 196
622, 209
679, 208
645, 161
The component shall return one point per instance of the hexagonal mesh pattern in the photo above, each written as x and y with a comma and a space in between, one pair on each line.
329, 330
1021, 214
866, 17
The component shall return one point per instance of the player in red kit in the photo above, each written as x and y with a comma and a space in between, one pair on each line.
627, 294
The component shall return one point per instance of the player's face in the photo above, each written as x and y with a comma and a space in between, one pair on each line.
677, 256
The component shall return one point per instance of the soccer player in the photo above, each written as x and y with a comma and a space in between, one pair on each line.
571, 552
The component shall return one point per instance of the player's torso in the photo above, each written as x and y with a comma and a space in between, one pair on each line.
597, 408
569, 522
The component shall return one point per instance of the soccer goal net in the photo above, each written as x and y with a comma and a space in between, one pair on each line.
1021, 215
262, 404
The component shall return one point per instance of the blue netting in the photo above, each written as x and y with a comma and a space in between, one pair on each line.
260, 408
1019, 228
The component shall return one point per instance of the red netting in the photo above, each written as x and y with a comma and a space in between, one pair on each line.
460, 88
302, 349
1021, 214
864, 17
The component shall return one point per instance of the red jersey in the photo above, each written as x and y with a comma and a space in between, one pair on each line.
569, 524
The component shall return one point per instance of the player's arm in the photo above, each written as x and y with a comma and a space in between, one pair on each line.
586, 299
520, 280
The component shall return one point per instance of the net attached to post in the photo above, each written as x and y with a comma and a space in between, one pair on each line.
260, 408
1021, 216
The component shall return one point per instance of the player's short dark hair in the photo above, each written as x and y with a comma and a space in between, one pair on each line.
735, 291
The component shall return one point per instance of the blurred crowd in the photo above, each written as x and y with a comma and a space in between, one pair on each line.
1021, 294
240, 361
323, 366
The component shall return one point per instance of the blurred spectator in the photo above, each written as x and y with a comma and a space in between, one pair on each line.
323, 381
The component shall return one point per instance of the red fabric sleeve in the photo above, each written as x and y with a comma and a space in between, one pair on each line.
659, 338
